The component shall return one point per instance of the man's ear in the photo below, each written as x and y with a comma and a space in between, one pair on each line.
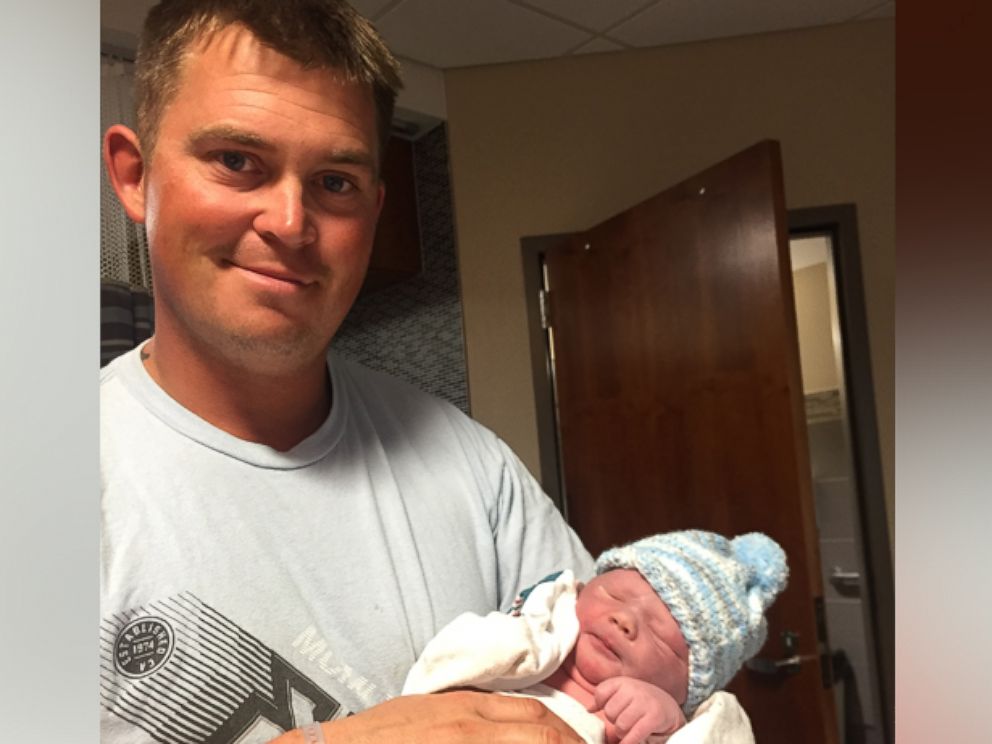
126, 168
381, 198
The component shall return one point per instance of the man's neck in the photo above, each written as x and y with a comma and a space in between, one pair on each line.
276, 409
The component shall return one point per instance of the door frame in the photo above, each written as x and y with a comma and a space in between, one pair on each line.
839, 222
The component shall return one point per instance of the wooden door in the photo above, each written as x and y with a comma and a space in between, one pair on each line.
680, 404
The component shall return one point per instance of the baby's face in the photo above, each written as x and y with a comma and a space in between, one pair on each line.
626, 630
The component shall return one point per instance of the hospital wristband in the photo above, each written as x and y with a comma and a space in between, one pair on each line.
313, 733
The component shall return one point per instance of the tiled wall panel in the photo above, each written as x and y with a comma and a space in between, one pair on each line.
413, 330
836, 503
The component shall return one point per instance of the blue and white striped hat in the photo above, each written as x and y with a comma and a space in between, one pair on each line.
717, 589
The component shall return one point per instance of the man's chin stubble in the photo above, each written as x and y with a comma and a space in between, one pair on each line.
274, 354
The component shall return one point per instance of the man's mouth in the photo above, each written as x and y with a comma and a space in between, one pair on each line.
275, 274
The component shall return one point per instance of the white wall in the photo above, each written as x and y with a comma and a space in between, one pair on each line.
559, 145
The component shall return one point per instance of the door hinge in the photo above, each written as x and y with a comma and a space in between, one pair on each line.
826, 659
544, 302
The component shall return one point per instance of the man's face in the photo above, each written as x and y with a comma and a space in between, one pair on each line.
626, 630
261, 200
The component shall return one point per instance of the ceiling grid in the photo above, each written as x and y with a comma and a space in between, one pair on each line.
447, 34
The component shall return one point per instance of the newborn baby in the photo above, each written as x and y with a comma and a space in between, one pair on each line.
630, 662
667, 621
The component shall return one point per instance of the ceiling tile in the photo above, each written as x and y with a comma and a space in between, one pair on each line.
592, 14
455, 33
129, 15
369, 8
677, 21
885, 10
459, 33
599, 44
125, 15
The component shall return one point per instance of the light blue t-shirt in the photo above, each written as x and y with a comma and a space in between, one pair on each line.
246, 591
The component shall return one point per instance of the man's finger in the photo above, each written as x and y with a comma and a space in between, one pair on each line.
448, 718
522, 710
508, 708
532, 733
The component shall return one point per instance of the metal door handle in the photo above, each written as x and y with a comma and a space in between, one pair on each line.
788, 665
845, 579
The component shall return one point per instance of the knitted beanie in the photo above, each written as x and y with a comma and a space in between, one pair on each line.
717, 589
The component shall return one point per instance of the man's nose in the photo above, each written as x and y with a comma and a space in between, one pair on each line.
282, 215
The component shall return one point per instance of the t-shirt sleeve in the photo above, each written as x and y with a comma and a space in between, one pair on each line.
531, 537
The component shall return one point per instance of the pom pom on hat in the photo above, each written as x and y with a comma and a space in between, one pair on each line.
717, 589
766, 560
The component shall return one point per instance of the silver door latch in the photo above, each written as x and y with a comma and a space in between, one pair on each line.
842, 579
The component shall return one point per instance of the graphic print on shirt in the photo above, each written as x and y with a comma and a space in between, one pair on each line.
185, 674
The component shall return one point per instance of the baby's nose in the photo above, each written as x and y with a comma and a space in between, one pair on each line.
625, 623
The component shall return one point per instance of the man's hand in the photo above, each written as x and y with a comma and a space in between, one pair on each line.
448, 718
636, 709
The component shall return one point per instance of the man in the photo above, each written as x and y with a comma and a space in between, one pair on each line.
284, 531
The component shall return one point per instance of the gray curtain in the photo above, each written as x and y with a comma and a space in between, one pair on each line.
123, 246
126, 318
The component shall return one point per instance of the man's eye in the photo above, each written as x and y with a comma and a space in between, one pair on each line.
235, 161
336, 184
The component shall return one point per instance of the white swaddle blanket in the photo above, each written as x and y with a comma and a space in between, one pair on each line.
513, 653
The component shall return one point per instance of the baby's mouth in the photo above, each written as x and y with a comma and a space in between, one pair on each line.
603, 644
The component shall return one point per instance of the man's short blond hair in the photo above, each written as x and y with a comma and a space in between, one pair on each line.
315, 33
